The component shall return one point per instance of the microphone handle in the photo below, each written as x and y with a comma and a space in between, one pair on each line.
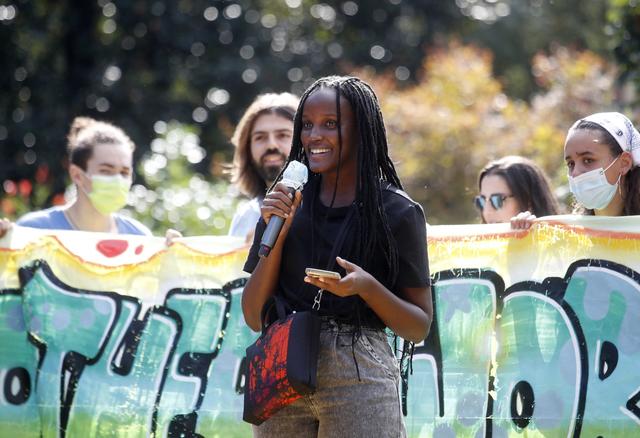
271, 233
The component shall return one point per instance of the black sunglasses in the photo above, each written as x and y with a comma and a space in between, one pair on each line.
496, 199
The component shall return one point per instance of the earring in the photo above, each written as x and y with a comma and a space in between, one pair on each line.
620, 189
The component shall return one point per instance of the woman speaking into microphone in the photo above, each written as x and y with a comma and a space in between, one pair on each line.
353, 218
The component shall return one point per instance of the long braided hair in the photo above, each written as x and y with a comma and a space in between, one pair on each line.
375, 171
375, 168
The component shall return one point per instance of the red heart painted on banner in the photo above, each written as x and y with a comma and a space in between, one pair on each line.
112, 247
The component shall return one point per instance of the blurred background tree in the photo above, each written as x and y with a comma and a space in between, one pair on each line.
457, 118
175, 196
144, 63
624, 27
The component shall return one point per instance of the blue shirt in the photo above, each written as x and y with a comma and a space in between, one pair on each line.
54, 219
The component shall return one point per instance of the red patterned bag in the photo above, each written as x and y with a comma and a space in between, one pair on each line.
281, 364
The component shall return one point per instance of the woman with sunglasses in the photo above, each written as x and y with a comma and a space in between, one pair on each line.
602, 153
513, 188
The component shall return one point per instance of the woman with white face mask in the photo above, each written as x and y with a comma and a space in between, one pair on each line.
602, 152
101, 167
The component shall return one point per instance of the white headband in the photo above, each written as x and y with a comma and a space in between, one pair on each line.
620, 128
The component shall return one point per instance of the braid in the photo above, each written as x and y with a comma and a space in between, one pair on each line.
374, 168
335, 185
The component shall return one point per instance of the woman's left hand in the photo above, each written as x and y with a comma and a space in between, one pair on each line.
356, 282
171, 235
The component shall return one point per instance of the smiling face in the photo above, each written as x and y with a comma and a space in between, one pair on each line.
497, 185
270, 143
319, 133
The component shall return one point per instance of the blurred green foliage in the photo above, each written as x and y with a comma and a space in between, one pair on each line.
442, 130
174, 196
134, 62
624, 27
457, 118
138, 63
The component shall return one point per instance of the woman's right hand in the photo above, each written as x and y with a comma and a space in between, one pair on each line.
523, 220
264, 278
281, 202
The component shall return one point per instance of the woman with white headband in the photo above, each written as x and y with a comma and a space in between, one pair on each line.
602, 152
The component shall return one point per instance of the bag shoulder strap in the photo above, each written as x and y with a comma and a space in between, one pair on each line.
337, 246
281, 307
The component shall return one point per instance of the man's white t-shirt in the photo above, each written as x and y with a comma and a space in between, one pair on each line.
245, 219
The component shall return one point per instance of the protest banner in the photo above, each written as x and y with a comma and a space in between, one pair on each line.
119, 336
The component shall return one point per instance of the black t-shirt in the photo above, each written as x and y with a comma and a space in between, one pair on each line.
310, 241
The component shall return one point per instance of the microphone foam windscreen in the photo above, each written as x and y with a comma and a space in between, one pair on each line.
295, 175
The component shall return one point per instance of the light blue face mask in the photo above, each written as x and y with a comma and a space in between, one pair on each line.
592, 189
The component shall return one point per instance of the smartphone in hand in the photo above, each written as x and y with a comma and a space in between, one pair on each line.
321, 273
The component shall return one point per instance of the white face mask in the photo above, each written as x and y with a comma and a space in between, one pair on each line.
592, 189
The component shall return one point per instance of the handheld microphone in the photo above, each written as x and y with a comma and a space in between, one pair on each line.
294, 177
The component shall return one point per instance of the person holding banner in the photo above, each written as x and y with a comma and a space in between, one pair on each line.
602, 154
339, 135
101, 167
513, 186
262, 143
